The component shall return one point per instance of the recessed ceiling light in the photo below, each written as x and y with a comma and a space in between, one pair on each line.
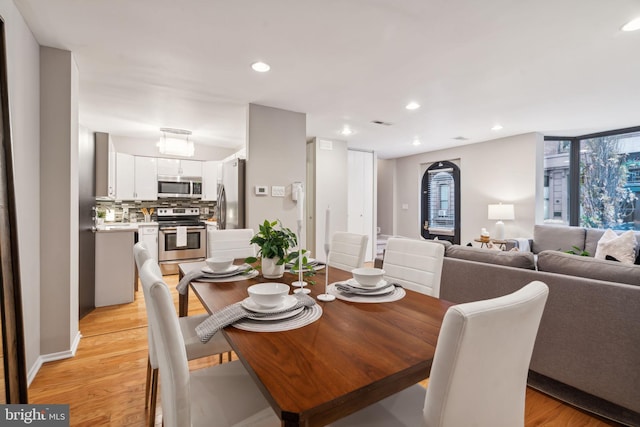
346, 131
496, 127
416, 142
632, 25
260, 67
412, 106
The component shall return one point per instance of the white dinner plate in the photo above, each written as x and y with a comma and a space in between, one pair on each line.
285, 315
355, 284
289, 302
232, 269
383, 291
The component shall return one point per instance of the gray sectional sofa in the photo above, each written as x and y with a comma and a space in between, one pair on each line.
587, 352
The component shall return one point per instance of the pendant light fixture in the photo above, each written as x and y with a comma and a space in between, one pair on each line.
176, 143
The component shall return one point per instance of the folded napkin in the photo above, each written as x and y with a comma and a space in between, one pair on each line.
197, 273
310, 264
346, 288
235, 312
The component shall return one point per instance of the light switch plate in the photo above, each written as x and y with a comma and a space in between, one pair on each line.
262, 190
277, 191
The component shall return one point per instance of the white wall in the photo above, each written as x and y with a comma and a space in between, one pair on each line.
23, 74
276, 155
147, 147
501, 170
329, 181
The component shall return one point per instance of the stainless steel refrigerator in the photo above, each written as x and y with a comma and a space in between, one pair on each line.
231, 195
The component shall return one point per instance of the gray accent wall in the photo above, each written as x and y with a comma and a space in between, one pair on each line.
59, 133
276, 155
386, 183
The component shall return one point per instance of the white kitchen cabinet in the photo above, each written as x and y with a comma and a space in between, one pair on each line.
178, 167
169, 167
148, 234
136, 177
125, 176
105, 155
210, 180
146, 178
190, 168
115, 268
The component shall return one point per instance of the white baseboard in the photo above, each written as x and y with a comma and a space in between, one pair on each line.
43, 358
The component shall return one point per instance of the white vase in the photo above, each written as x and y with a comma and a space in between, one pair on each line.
270, 270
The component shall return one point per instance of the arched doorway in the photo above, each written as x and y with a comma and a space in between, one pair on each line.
441, 202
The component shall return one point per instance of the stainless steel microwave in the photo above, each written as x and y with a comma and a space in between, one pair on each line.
179, 186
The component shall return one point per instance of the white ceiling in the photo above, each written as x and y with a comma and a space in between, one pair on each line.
560, 67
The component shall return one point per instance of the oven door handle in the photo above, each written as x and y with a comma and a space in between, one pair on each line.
189, 228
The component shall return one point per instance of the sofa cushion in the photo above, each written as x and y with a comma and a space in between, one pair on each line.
588, 267
511, 258
594, 235
622, 247
557, 238
445, 243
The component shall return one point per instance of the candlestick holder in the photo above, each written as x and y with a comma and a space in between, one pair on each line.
326, 296
300, 283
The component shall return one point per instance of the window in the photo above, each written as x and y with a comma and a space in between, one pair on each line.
441, 202
444, 199
593, 180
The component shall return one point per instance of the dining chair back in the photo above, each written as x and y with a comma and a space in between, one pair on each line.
347, 250
234, 243
414, 264
224, 395
140, 254
479, 371
150, 273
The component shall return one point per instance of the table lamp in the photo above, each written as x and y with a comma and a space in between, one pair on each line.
500, 212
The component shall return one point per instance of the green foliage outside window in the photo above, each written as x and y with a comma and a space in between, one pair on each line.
605, 201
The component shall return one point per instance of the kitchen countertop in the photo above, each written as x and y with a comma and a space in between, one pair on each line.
123, 226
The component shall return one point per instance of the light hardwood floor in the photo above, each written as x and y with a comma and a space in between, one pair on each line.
104, 382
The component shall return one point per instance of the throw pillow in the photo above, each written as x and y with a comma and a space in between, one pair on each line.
622, 247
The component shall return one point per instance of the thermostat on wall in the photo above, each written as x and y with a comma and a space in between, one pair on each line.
261, 190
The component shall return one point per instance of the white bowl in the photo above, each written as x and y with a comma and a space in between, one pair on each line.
268, 295
367, 276
217, 264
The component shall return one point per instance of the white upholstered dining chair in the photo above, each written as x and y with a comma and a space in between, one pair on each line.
414, 264
479, 372
220, 395
347, 250
193, 347
234, 243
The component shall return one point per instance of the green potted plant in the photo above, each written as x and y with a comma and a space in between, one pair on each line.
274, 242
101, 215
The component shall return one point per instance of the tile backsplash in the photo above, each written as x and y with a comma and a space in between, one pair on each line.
207, 208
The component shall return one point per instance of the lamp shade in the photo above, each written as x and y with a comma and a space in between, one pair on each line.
501, 212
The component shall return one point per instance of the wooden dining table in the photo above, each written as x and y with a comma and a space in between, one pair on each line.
353, 356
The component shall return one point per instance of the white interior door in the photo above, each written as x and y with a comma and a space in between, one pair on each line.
361, 201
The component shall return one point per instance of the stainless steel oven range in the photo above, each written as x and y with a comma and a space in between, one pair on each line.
181, 237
